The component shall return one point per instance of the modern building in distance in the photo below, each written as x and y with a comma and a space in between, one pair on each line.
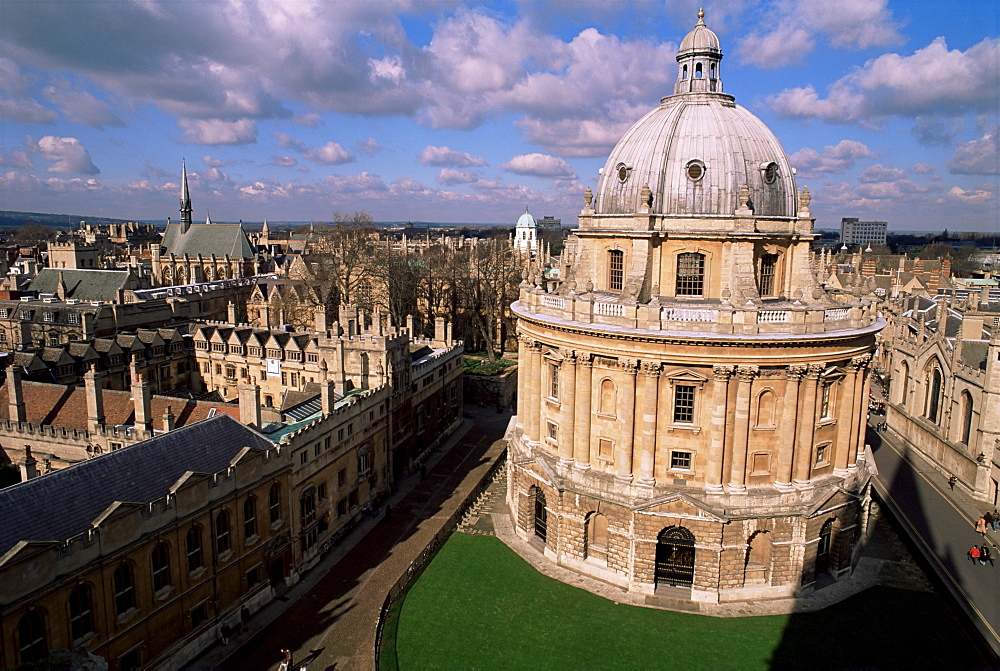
865, 233
691, 401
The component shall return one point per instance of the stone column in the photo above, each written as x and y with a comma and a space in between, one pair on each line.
786, 432
535, 393
741, 429
805, 428
523, 373
647, 438
567, 406
847, 423
623, 449
581, 428
865, 384
716, 450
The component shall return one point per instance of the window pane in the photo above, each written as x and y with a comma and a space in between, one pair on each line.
690, 274
684, 403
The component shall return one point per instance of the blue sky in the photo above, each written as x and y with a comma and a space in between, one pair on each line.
443, 111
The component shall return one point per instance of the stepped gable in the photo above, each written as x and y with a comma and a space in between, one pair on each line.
64, 503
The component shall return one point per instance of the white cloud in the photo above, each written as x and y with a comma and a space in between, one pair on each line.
933, 81
369, 147
447, 156
25, 110
17, 159
217, 131
540, 165
309, 120
284, 161
833, 159
786, 45
67, 154
881, 173
978, 157
449, 176
81, 106
216, 162
329, 154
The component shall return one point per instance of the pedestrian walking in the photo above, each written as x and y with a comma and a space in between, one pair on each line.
225, 632
287, 664
988, 518
951, 482
996, 519
985, 555
974, 554
981, 525
244, 618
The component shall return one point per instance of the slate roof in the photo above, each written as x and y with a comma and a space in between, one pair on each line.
85, 285
66, 406
208, 239
64, 503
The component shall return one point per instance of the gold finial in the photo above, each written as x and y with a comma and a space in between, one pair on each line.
701, 13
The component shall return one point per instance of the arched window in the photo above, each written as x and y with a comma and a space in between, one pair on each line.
250, 517
160, 561
711, 71
690, 274
616, 269
607, 402
31, 638
124, 585
685, 72
307, 506
674, 557
597, 536
541, 514
765, 409
193, 547
967, 408
904, 383
758, 558
933, 401
223, 542
697, 71
823, 547
81, 613
274, 503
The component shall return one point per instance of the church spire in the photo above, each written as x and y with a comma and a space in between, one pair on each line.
185, 199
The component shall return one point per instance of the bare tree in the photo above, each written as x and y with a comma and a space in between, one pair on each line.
347, 258
487, 284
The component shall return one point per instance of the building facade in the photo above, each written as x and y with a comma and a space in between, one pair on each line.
691, 402
864, 233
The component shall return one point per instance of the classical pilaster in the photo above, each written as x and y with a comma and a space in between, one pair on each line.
741, 428
805, 428
647, 437
720, 392
581, 429
567, 406
535, 392
865, 385
626, 415
786, 432
523, 371
847, 422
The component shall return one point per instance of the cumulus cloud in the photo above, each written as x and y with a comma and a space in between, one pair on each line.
369, 147
881, 173
309, 120
81, 106
284, 161
540, 165
17, 159
25, 110
933, 81
67, 154
218, 131
978, 157
449, 176
833, 159
446, 156
329, 154
216, 162
846, 24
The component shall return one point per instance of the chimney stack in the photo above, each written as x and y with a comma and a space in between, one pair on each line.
29, 466
168, 420
95, 399
141, 399
15, 396
250, 404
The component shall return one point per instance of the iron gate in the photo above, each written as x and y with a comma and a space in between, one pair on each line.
675, 557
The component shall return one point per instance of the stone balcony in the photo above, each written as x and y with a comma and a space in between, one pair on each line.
702, 317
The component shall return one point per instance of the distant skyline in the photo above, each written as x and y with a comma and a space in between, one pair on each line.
429, 110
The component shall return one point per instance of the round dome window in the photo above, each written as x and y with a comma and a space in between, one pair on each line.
695, 170
622, 172
770, 173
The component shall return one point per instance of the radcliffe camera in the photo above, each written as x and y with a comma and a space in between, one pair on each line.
499, 336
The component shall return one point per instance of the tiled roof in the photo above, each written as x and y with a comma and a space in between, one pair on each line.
208, 239
64, 503
84, 285
63, 406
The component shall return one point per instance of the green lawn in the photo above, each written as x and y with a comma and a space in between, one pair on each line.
480, 606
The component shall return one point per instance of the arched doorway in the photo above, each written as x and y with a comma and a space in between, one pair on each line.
674, 557
823, 549
541, 515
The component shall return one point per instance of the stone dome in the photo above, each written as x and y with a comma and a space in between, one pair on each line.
697, 150
526, 220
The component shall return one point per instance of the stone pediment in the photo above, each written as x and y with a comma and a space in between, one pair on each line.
116, 510
680, 504
833, 500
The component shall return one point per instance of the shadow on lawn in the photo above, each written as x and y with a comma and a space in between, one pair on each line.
866, 634
362, 577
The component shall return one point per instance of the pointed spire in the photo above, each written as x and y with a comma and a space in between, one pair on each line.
208, 217
185, 198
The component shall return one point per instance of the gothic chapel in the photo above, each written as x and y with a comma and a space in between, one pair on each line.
691, 401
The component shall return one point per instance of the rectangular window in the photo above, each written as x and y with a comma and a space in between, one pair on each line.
198, 615
554, 380
616, 258
680, 460
825, 405
26, 315
49, 316
253, 577
342, 477
690, 274
821, 454
768, 265
605, 448
4, 313
684, 403
303, 457
316, 448
321, 491
553, 431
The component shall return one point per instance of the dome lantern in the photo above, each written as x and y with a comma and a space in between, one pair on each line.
698, 61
